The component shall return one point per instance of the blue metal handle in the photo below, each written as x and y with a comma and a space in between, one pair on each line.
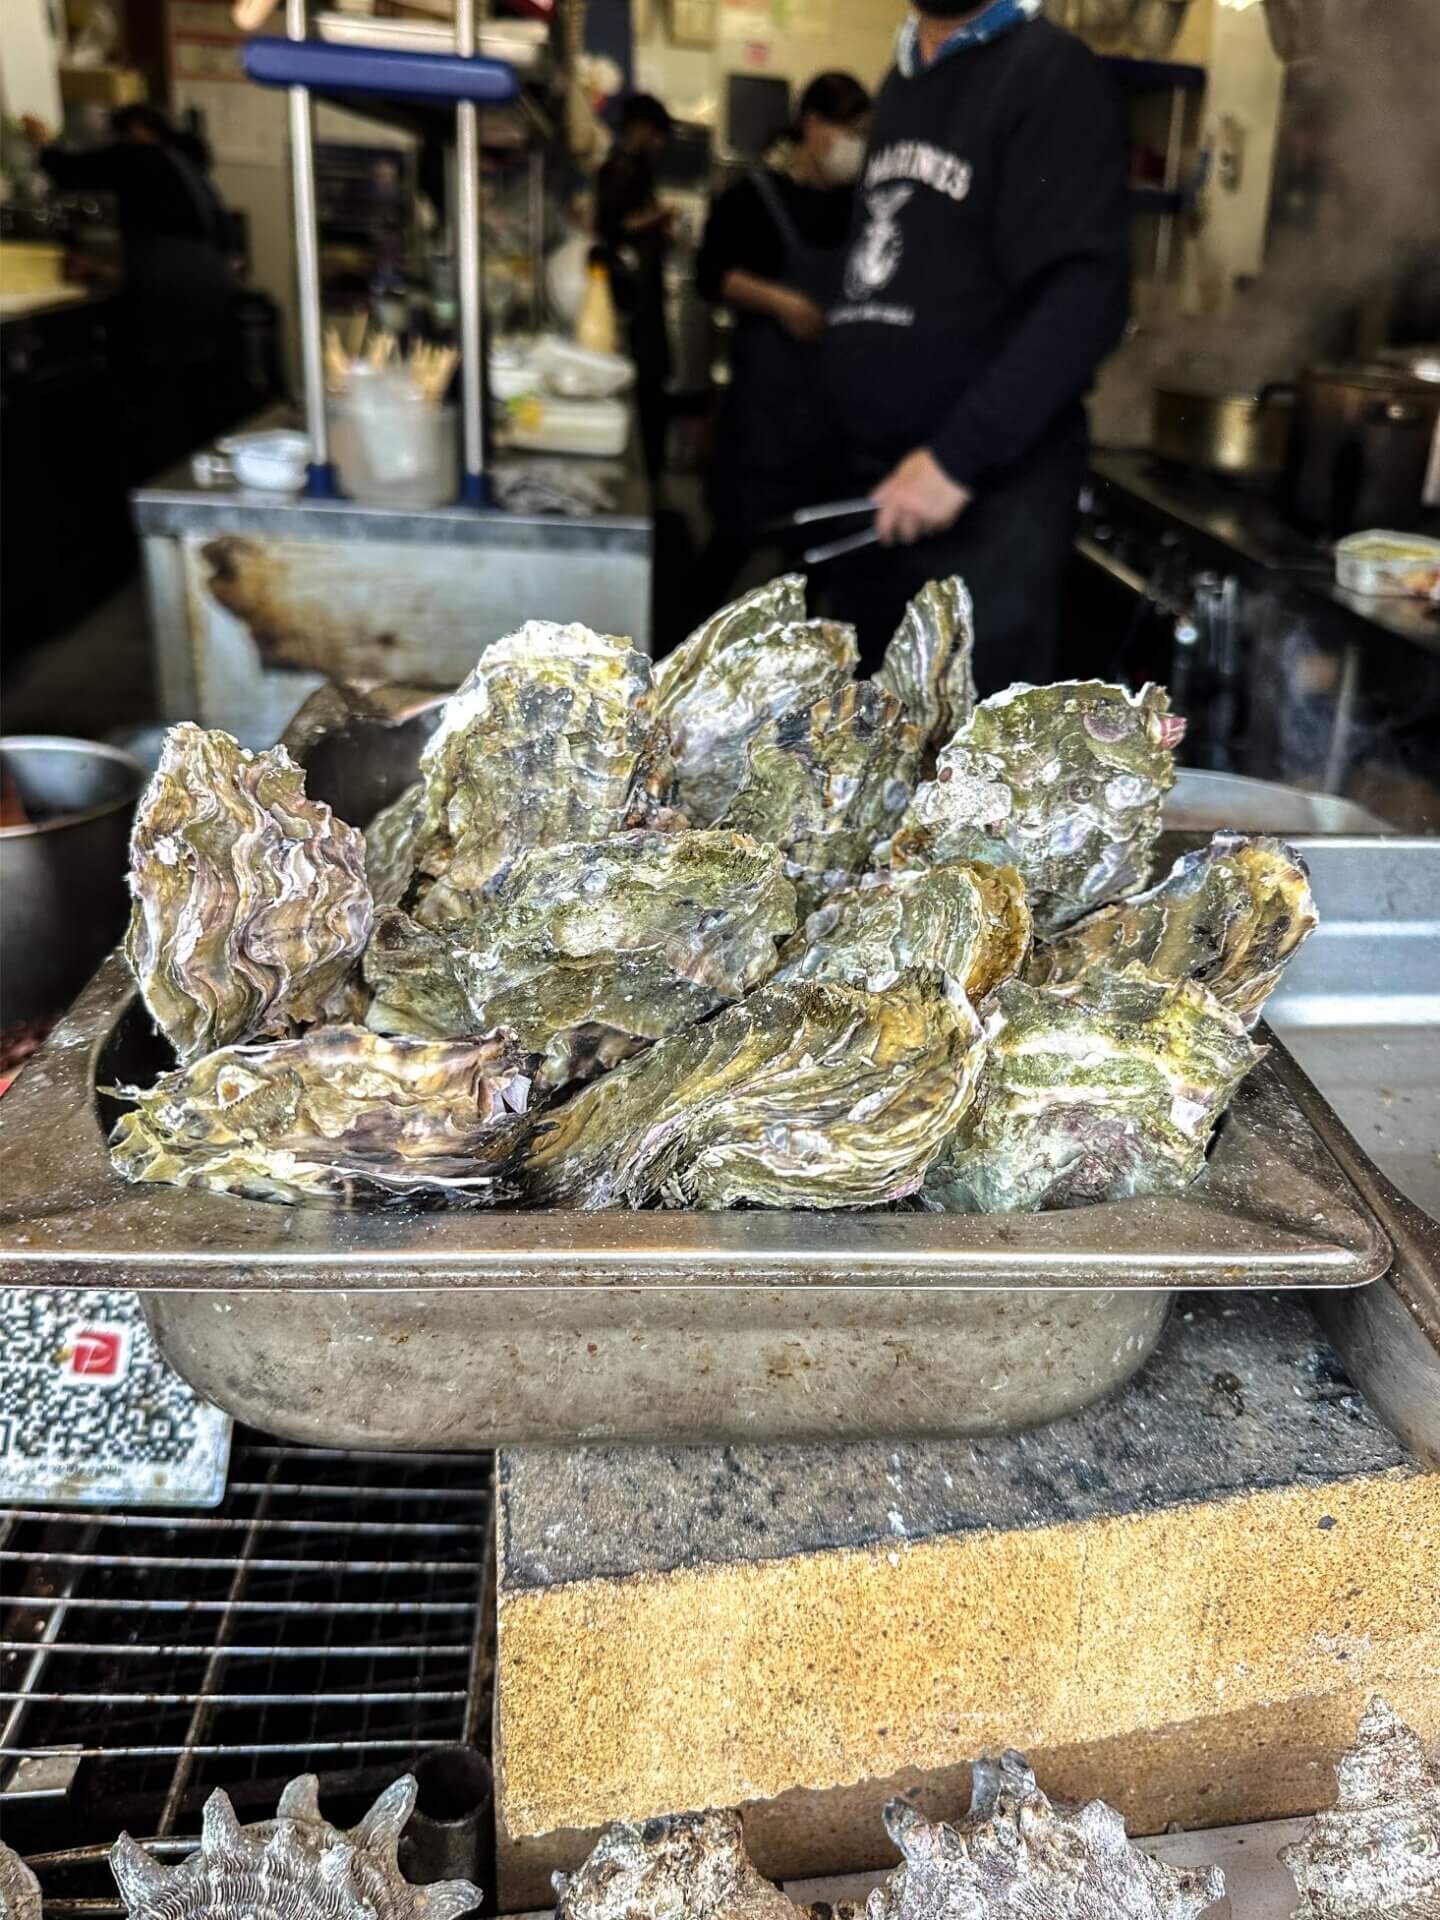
395, 75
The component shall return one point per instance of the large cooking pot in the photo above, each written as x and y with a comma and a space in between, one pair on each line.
1242, 434
1362, 446
63, 901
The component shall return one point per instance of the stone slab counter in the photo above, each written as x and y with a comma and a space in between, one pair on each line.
1179, 1599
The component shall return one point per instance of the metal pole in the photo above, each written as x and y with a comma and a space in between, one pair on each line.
307, 262
536, 185
470, 269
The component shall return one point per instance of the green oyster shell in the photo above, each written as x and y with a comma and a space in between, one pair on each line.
251, 904
390, 842
749, 663
553, 738
338, 1113
826, 782
1101, 1096
928, 665
1231, 915
799, 1096
639, 935
965, 920
1065, 782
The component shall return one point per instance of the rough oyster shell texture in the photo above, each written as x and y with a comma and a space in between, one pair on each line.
294, 1867
928, 665
1230, 915
1376, 1854
251, 904
967, 920
640, 934
336, 1113
754, 660
390, 842
19, 1889
553, 738
1017, 1856
1104, 1095
685, 1866
826, 782
799, 1096
1064, 782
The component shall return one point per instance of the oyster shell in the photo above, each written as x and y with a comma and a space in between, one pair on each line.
19, 1889
749, 663
928, 665
251, 904
390, 842
826, 782
294, 1867
640, 935
1064, 782
799, 1096
685, 1866
1376, 1854
553, 738
967, 920
1018, 1854
338, 1112
1230, 915
1103, 1095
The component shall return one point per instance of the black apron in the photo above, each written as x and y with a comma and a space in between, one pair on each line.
774, 440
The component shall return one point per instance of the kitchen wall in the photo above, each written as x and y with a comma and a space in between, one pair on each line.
29, 81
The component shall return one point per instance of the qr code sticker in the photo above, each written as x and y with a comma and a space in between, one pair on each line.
91, 1415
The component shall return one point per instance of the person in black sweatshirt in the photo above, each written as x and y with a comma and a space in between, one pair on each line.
987, 277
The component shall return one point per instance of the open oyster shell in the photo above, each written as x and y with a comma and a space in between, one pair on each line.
552, 738
1018, 1854
294, 1867
1231, 915
251, 904
1376, 1854
390, 842
966, 920
640, 935
684, 1866
826, 782
1065, 782
339, 1112
749, 663
19, 1889
799, 1096
1100, 1096
928, 665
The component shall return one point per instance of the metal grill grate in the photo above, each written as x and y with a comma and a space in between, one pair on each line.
328, 1618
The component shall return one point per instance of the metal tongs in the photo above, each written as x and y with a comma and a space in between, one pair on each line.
817, 516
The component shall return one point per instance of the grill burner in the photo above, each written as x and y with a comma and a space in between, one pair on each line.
328, 1618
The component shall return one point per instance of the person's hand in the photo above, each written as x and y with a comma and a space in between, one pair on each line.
799, 315
919, 498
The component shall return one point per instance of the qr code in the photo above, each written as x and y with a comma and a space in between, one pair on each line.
90, 1412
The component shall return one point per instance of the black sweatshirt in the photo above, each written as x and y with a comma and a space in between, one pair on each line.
741, 230
988, 273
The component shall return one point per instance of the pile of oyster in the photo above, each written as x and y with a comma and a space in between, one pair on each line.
737, 930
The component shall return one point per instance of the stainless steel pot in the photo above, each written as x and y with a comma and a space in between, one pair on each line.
1244, 434
1362, 447
63, 902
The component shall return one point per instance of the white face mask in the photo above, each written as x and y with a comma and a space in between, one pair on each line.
844, 158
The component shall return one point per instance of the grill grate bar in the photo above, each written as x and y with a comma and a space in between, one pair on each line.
151, 1649
229, 1565
105, 1603
207, 1698
169, 1750
327, 1489
177, 1523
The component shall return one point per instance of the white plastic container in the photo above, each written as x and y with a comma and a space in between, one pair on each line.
400, 456
273, 461
1380, 561
578, 373
597, 427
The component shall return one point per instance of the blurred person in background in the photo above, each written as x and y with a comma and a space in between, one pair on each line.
774, 254
634, 229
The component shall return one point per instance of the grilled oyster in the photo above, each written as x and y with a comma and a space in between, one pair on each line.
390, 841
638, 935
250, 901
1376, 1854
826, 782
965, 919
1064, 782
19, 1889
552, 738
799, 1096
1100, 1096
294, 1867
685, 1866
1016, 1853
336, 1113
928, 665
749, 663
1230, 915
